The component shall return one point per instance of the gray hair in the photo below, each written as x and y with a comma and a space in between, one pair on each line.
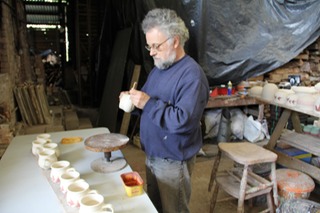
168, 22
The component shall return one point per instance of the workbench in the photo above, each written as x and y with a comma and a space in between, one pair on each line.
25, 187
236, 101
295, 139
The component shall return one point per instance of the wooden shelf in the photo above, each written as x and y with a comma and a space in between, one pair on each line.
304, 142
231, 101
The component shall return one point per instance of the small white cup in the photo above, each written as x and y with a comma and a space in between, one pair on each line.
57, 168
94, 203
37, 145
67, 178
46, 158
76, 191
125, 103
45, 136
53, 146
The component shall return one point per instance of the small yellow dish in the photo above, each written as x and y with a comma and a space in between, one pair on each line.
133, 183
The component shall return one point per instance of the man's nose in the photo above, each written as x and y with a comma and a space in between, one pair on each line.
153, 52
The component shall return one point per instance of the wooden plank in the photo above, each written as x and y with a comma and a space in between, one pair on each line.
225, 101
29, 106
127, 116
304, 142
21, 106
36, 104
41, 95
297, 164
278, 130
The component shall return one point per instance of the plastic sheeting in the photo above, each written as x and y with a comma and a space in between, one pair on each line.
236, 40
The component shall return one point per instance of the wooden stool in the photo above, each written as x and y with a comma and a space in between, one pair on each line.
242, 183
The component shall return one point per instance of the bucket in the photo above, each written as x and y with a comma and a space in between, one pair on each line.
293, 184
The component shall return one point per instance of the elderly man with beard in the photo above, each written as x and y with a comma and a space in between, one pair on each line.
171, 103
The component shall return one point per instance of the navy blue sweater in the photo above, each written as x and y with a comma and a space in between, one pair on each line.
170, 121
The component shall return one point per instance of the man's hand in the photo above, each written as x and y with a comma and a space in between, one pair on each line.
138, 98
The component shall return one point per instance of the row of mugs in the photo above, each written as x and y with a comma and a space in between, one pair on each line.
47, 151
77, 191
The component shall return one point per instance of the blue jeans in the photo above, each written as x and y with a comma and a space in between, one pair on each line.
169, 184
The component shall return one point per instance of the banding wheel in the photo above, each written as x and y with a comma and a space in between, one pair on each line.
107, 143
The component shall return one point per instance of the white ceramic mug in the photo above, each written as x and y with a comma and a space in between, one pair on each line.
94, 203
67, 178
46, 158
45, 136
126, 103
53, 146
37, 145
57, 168
76, 191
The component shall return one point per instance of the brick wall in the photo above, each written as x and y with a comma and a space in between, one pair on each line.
10, 73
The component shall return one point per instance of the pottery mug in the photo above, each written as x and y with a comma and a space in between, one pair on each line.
57, 168
67, 178
76, 191
94, 203
37, 145
46, 158
126, 103
45, 136
53, 146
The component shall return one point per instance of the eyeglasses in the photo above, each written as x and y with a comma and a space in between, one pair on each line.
156, 46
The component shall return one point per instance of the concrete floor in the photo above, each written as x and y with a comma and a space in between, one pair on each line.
200, 198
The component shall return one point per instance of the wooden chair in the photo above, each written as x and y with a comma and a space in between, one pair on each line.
242, 183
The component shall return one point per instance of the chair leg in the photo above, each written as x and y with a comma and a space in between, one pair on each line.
274, 181
242, 192
270, 202
214, 170
214, 197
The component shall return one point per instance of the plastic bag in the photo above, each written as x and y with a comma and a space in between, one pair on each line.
238, 119
212, 121
253, 130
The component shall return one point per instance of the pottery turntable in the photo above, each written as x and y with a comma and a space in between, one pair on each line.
107, 143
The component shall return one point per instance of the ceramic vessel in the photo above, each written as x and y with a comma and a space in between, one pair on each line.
46, 158
37, 146
292, 100
94, 203
76, 191
126, 103
52, 146
67, 178
255, 91
57, 168
280, 97
268, 91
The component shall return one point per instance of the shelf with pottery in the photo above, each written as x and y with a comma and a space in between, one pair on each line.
294, 138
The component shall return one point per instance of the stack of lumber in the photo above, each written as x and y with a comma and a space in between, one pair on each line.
306, 65
33, 104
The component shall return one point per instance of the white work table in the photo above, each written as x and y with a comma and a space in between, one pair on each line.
25, 188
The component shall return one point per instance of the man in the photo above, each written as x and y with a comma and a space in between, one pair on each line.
171, 104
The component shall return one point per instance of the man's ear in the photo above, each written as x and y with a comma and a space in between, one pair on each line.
176, 41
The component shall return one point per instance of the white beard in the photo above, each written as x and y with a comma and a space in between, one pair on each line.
161, 64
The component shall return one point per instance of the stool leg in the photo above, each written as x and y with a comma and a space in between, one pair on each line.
270, 203
214, 197
274, 181
214, 170
242, 192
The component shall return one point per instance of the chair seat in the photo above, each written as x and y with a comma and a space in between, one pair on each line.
247, 153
